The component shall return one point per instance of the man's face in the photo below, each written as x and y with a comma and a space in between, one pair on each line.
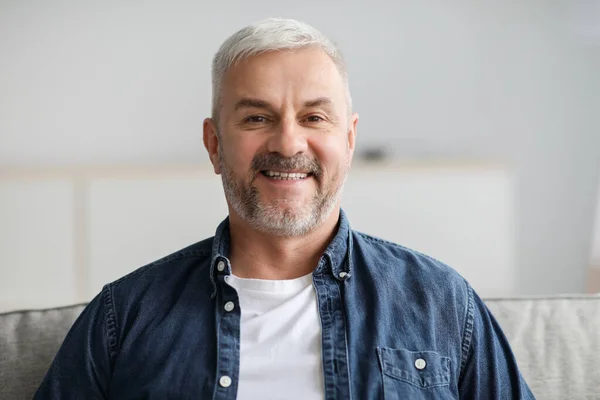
285, 140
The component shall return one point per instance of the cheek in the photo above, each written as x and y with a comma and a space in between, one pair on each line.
239, 153
332, 153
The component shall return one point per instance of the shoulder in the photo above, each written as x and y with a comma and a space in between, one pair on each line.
164, 276
403, 258
408, 269
130, 303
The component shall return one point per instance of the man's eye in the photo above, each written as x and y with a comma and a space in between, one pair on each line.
314, 118
256, 119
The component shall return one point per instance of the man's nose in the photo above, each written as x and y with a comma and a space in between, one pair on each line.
288, 138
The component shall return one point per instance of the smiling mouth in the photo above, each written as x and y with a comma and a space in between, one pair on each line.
289, 176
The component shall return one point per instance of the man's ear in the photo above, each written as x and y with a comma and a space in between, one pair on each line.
352, 132
211, 142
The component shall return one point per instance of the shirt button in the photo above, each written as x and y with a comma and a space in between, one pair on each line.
221, 266
420, 363
229, 306
225, 381
343, 274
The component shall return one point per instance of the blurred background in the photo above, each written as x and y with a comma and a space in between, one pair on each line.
478, 140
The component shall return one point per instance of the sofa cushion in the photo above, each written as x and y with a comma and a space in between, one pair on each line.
556, 342
29, 341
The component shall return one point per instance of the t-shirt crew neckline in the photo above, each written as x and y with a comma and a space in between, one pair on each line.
270, 285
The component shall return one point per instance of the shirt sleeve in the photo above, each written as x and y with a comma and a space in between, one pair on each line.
489, 368
82, 366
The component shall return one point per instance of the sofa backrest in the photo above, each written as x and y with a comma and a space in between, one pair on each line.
29, 341
556, 341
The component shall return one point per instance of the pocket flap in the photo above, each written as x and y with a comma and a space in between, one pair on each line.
420, 368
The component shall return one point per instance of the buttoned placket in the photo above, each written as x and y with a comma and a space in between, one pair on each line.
336, 372
227, 312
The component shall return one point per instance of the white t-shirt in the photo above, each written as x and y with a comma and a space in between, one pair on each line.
280, 333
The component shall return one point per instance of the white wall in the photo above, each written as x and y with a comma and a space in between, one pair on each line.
515, 82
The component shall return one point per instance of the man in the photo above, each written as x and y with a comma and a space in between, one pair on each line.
286, 301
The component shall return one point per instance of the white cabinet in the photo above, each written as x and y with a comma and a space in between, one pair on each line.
62, 239
465, 217
37, 243
135, 221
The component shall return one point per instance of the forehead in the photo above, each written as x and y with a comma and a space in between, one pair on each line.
276, 76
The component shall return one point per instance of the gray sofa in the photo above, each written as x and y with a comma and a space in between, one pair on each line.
556, 341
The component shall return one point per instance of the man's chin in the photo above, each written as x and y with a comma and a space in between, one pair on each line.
287, 213
284, 220
284, 227
285, 206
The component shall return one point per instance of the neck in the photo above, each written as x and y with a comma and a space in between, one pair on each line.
258, 255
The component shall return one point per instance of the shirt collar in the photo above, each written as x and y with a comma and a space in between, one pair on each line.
336, 259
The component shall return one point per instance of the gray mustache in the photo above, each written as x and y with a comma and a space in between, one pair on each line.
275, 161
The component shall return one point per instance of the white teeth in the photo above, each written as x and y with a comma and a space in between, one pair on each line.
285, 175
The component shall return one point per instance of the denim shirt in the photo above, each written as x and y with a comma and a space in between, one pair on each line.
396, 324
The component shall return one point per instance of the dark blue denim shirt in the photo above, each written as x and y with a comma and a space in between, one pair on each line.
162, 332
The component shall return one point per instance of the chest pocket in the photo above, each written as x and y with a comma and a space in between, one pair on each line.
414, 374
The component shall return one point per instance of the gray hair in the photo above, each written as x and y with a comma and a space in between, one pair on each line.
272, 34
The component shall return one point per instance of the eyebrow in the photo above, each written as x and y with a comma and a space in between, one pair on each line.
320, 102
247, 102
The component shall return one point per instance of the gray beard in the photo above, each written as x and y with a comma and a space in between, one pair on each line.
275, 218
